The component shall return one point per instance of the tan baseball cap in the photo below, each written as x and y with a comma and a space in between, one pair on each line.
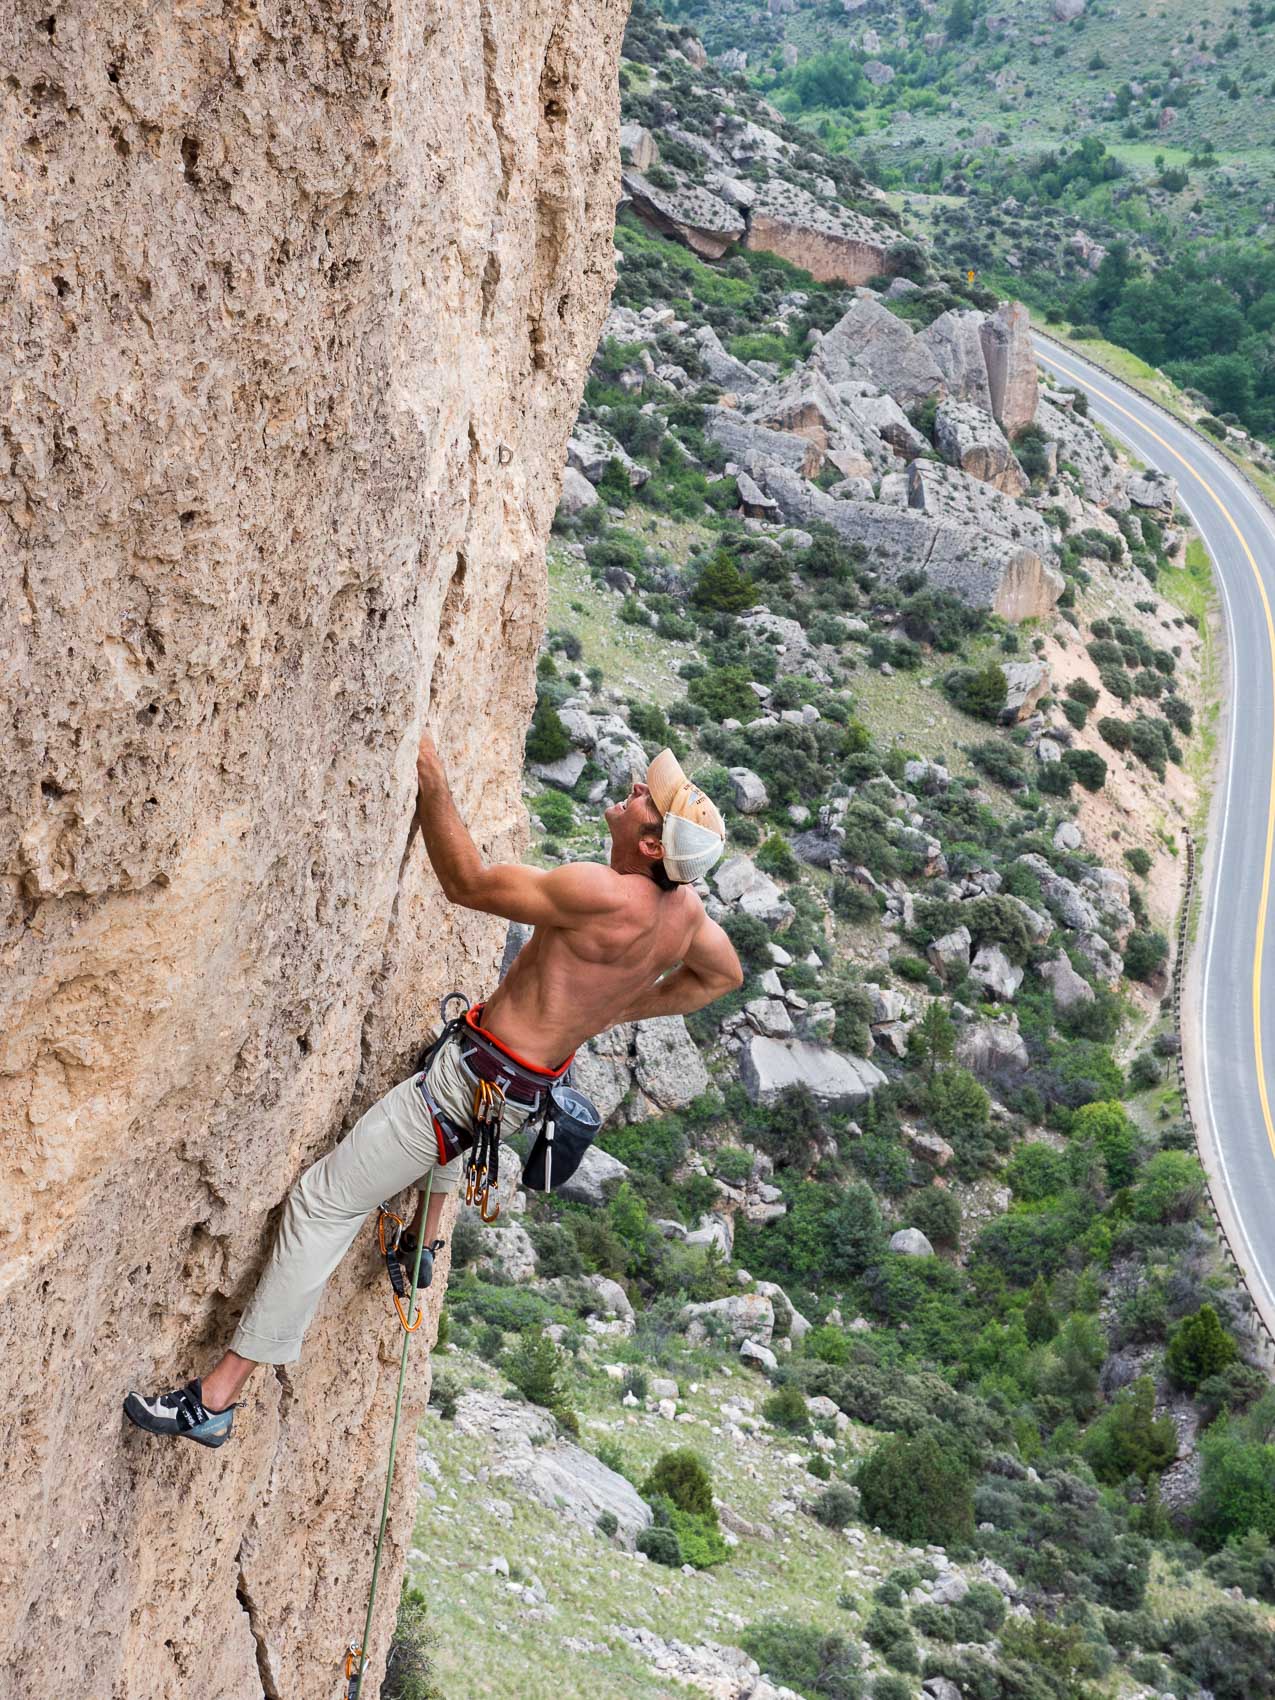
694, 832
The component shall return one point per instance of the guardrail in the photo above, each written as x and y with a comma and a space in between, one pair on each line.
1260, 1336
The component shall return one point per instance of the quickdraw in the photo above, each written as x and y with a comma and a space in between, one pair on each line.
353, 1671
394, 1266
482, 1172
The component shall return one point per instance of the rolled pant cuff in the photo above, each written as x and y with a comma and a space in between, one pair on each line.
260, 1349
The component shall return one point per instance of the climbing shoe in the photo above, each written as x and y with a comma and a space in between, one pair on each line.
407, 1257
182, 1414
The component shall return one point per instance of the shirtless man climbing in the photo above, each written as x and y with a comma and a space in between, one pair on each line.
605, 939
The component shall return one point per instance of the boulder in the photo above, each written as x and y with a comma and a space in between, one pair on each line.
768, 1066
749, 792
1106, 963
995, 973
832, 242
707, 224
940, 1688
612, 1298
577, 492
911, 1242
930, 778
887, 1005
952, 951
870, 342
1025, 683
965, 557
970, 439
928, 1147
722, 367
563, 773
955, 342
603, 1068
1065, 899
1068, 987
506, 1246
1153, 489
950, 1589
1109, 890
789, 1321
877, 416
667, 1064
715, 1230
1011, 366
760, 1357
948, 493
756, 447
765, 902
1102, 478
638, 146
736, 1318
1038, 926
991, 1049
590, 450
599, 1173
569, 1481
1067, 11
878, 72
734, 877
1068, 836
769, 1016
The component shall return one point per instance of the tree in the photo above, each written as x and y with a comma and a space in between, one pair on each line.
682, 1477
933, 1039
917, 1491
547, 740
1107, 1126
533, 1366
1169, 1189
960, 20
1129, 1439
722, 587
1039, 1320
980, 691
1198, 1348
957, 1105
1237, 1486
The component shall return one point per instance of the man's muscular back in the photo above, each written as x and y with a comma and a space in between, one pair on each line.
571, 981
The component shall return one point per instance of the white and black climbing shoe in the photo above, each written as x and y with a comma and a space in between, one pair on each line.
407, 1257
181, 1414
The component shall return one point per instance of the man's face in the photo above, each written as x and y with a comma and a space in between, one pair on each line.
635, 821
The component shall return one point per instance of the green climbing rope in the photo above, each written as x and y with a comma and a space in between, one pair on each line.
356, 1660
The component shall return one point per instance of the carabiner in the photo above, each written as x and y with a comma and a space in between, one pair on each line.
353, 1676
482, 1206
453, 997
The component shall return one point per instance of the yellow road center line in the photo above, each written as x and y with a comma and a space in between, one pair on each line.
1260, 940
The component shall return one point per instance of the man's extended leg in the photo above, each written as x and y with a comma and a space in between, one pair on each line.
389, 1148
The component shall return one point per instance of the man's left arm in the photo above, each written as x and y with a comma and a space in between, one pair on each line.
558, 898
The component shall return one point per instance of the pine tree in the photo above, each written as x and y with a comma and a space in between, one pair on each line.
1038, 1318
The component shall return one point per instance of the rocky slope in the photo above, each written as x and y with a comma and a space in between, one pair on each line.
301, 310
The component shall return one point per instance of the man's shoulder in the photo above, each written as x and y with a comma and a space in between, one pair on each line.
594, 883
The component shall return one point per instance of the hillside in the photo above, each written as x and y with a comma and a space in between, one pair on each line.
1032, 140
905, 1240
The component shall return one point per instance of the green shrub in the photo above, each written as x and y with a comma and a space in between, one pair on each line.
917, 1491
661, 1546
834, 1507
776, 857
1001, 762
723, 692
980, 691
1129, 1439
824, 1667
1169, 1188
887, 1630
786, 1409
682, 1478
409, 1669
937, 1213
722, 587
1086, 767
819, 1467
1117, 733
1227, 1650
1198, 1348
555, 811
534, 1366
699, 1538
1145, 953
547, 738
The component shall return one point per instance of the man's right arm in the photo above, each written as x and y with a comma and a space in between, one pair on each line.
707, 972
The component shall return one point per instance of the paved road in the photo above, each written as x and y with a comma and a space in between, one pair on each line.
1229, 1009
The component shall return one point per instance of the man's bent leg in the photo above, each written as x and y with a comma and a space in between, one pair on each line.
389, 1148
223, 1385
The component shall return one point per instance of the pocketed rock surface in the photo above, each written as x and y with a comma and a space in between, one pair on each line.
299, 310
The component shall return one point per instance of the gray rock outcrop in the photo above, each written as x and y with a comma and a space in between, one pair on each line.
1068, 987
970, 439
707, 224
756, 447
768, 1066
599, 1173
991, 1049
739, 1317
1011, 366
832, 242
995, 973
955, 343
911, 1242
870, 342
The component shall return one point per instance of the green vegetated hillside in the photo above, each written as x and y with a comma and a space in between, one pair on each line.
883, 1347
1037, 139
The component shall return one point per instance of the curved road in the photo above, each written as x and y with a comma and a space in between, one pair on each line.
1228, 1017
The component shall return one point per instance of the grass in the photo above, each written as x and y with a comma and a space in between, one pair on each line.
1192, 588
632, 658
486, 1632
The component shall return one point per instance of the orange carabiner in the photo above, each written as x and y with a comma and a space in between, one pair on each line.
387, 1252
353, 1655
482, 1206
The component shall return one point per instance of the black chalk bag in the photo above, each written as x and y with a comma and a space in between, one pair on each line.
570, 1126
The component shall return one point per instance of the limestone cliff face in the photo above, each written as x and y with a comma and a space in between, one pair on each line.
297, 303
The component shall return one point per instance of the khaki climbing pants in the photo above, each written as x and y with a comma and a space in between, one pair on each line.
391, 1147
